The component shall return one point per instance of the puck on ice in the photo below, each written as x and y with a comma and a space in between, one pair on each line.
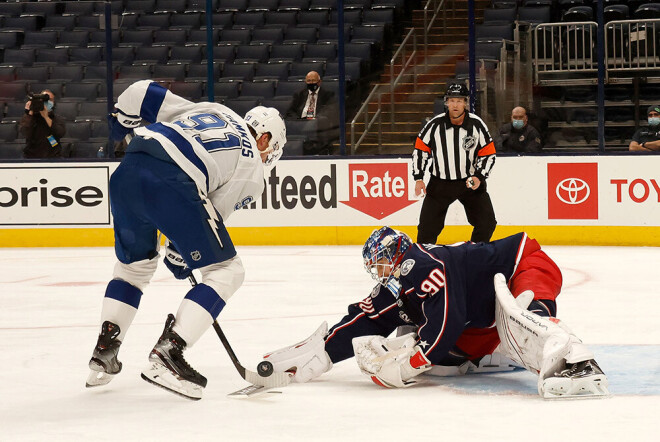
265, 368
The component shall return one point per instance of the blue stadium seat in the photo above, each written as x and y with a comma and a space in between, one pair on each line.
259, 54
241, 106
187, 20
287, 52
171, 72
71, 39
66, 73
199, 72
235, 36
243, 71
59, 23
305, 35
152, 54
85, 56
321, 52
226, 89
262, 5
269, 35
67, 109
279, 71
192, 91
19, 57
52, 56
254, 19
185, 54
262, 89
93, 110
81, 91
34, 73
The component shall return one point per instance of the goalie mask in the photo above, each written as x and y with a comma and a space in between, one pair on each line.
268, 120
383, 253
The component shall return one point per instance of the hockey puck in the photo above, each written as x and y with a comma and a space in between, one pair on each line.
265, 369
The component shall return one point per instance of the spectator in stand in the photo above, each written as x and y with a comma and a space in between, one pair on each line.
41, 127
315, 103
518, 135
647, 139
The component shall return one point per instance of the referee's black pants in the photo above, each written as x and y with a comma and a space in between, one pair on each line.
440, 194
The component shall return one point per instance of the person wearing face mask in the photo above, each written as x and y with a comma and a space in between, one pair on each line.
518, 135
42, 129
647, 139
316, 103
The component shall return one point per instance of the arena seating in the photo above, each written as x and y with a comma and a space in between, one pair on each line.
261, 49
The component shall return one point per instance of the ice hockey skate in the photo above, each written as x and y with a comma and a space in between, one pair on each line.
104, 363
168, 368
581, 380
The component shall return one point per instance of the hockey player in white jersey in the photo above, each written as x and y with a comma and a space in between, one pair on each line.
184, 173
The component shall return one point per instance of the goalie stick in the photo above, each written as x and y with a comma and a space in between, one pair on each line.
260, 384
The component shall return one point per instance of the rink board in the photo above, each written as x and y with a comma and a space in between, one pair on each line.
608, 200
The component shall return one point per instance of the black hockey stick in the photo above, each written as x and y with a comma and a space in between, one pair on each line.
274, 380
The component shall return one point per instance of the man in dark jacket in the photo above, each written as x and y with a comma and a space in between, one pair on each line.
42, 129
518, 135
315, 103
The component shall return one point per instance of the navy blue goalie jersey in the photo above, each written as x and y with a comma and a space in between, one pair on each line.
444, 290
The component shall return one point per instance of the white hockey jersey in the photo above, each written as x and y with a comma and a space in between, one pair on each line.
209, 141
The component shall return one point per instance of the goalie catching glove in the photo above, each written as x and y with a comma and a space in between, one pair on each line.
306, 359
390, 362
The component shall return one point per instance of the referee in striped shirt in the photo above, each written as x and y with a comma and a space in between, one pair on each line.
461, 154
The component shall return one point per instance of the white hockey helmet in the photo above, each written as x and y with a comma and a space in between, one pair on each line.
268, 120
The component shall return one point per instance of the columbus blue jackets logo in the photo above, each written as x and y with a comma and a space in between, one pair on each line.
407, 266
469, 142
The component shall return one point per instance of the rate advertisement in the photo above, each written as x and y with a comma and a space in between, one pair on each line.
54, 195
334, 193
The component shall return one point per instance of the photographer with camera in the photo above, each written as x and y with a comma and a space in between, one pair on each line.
41, 128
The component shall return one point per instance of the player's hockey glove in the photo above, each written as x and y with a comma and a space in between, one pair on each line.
122, 124
390, 362
174, 261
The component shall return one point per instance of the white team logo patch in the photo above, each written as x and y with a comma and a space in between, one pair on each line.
407, 266
196, 255
469, 142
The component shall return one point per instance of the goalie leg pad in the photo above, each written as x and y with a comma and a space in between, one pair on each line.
307, 359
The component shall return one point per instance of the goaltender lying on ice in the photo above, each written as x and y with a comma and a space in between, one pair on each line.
473, 307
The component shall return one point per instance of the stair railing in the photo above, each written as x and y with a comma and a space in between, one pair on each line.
364, 110
404, 65
434, 7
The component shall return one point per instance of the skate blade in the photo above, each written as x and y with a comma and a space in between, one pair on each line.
158, 375
251, 391
98, 378
595, 387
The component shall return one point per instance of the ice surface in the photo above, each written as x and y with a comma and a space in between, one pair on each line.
50, 301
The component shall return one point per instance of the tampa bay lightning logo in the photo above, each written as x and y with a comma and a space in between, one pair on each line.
469, 142
196, 255
407, 266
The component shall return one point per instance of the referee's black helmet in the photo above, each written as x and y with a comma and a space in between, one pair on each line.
458, 90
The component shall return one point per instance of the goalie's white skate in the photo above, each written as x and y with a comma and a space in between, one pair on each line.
582, 380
